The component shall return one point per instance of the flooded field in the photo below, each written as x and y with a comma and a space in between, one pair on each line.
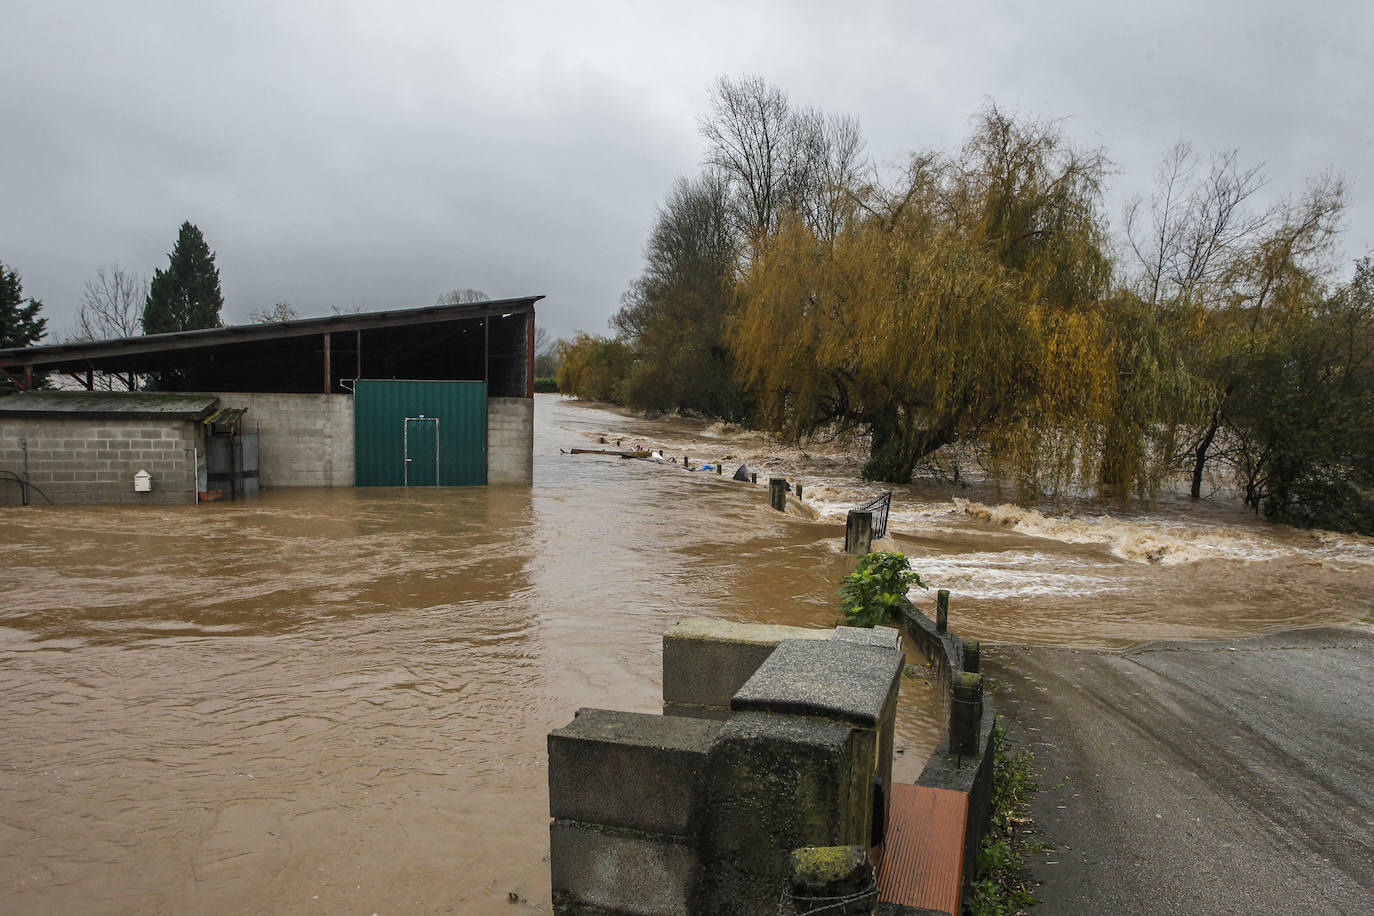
336, 701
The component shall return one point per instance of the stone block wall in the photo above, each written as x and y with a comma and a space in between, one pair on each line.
510, 441
80, 460
306, 439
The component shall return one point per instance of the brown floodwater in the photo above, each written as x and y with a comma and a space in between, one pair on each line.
336, 701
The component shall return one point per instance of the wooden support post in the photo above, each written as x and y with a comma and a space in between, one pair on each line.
798, 486
529, 354
858, 532
753, 478
942, 610
777, 493
328, 372
28, 378
718, 469
90, 380
965, 712
972, 655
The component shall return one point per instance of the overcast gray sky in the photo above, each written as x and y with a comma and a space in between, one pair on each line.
377, 154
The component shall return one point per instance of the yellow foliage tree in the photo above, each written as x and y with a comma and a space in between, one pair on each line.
591, 367
974, 301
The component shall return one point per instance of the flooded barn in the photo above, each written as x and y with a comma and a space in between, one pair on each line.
435, 396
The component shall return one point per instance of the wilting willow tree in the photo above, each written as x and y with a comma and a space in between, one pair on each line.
973, 301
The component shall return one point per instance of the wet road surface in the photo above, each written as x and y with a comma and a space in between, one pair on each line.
1208, 777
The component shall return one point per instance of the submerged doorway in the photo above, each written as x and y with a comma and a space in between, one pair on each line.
420, 439
420, 434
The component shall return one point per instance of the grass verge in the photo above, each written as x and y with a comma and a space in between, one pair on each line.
1002, 884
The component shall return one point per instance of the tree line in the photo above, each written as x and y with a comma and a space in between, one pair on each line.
979, 301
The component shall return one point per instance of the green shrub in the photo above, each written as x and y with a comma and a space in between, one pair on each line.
1001, 884
874, 591
545, 384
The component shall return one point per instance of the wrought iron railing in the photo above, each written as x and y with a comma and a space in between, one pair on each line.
879, 506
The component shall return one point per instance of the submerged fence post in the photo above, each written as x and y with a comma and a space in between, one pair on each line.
798, 486
972, 655
965, 712
858, 532
24, 484
942, 610
777, 493
718, 467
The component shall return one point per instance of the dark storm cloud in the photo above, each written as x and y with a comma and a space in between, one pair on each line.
377, 155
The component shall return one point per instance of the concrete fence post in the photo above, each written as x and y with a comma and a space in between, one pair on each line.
965, 712
830, 879
777, 493
942, 610
858, 532
972, 653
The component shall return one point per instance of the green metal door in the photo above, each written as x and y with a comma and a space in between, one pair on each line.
421, 442
410, 433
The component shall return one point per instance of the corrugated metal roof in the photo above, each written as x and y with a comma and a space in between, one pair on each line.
923, 852
115, 405
81, 354
225, 415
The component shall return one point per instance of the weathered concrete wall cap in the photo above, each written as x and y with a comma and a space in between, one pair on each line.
883, 637
834, 680
761, 634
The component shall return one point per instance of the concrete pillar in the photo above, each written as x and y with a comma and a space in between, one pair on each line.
942, 610
972, 653
858, 532
777, 493
965, 712
831, 879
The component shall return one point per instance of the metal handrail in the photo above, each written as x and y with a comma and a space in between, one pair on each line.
879, 505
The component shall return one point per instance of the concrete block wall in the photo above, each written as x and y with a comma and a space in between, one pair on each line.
623, 790
967, 773
705, 661
79, 460
510, 441
306, 441
687, 814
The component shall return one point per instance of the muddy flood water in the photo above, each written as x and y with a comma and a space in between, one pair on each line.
336, 701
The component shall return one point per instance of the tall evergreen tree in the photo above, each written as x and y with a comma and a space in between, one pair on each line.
20, 325
186, 295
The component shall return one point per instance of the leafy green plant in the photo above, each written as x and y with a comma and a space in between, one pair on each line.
874, 591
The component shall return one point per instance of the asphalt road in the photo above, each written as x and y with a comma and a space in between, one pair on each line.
1217, 777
